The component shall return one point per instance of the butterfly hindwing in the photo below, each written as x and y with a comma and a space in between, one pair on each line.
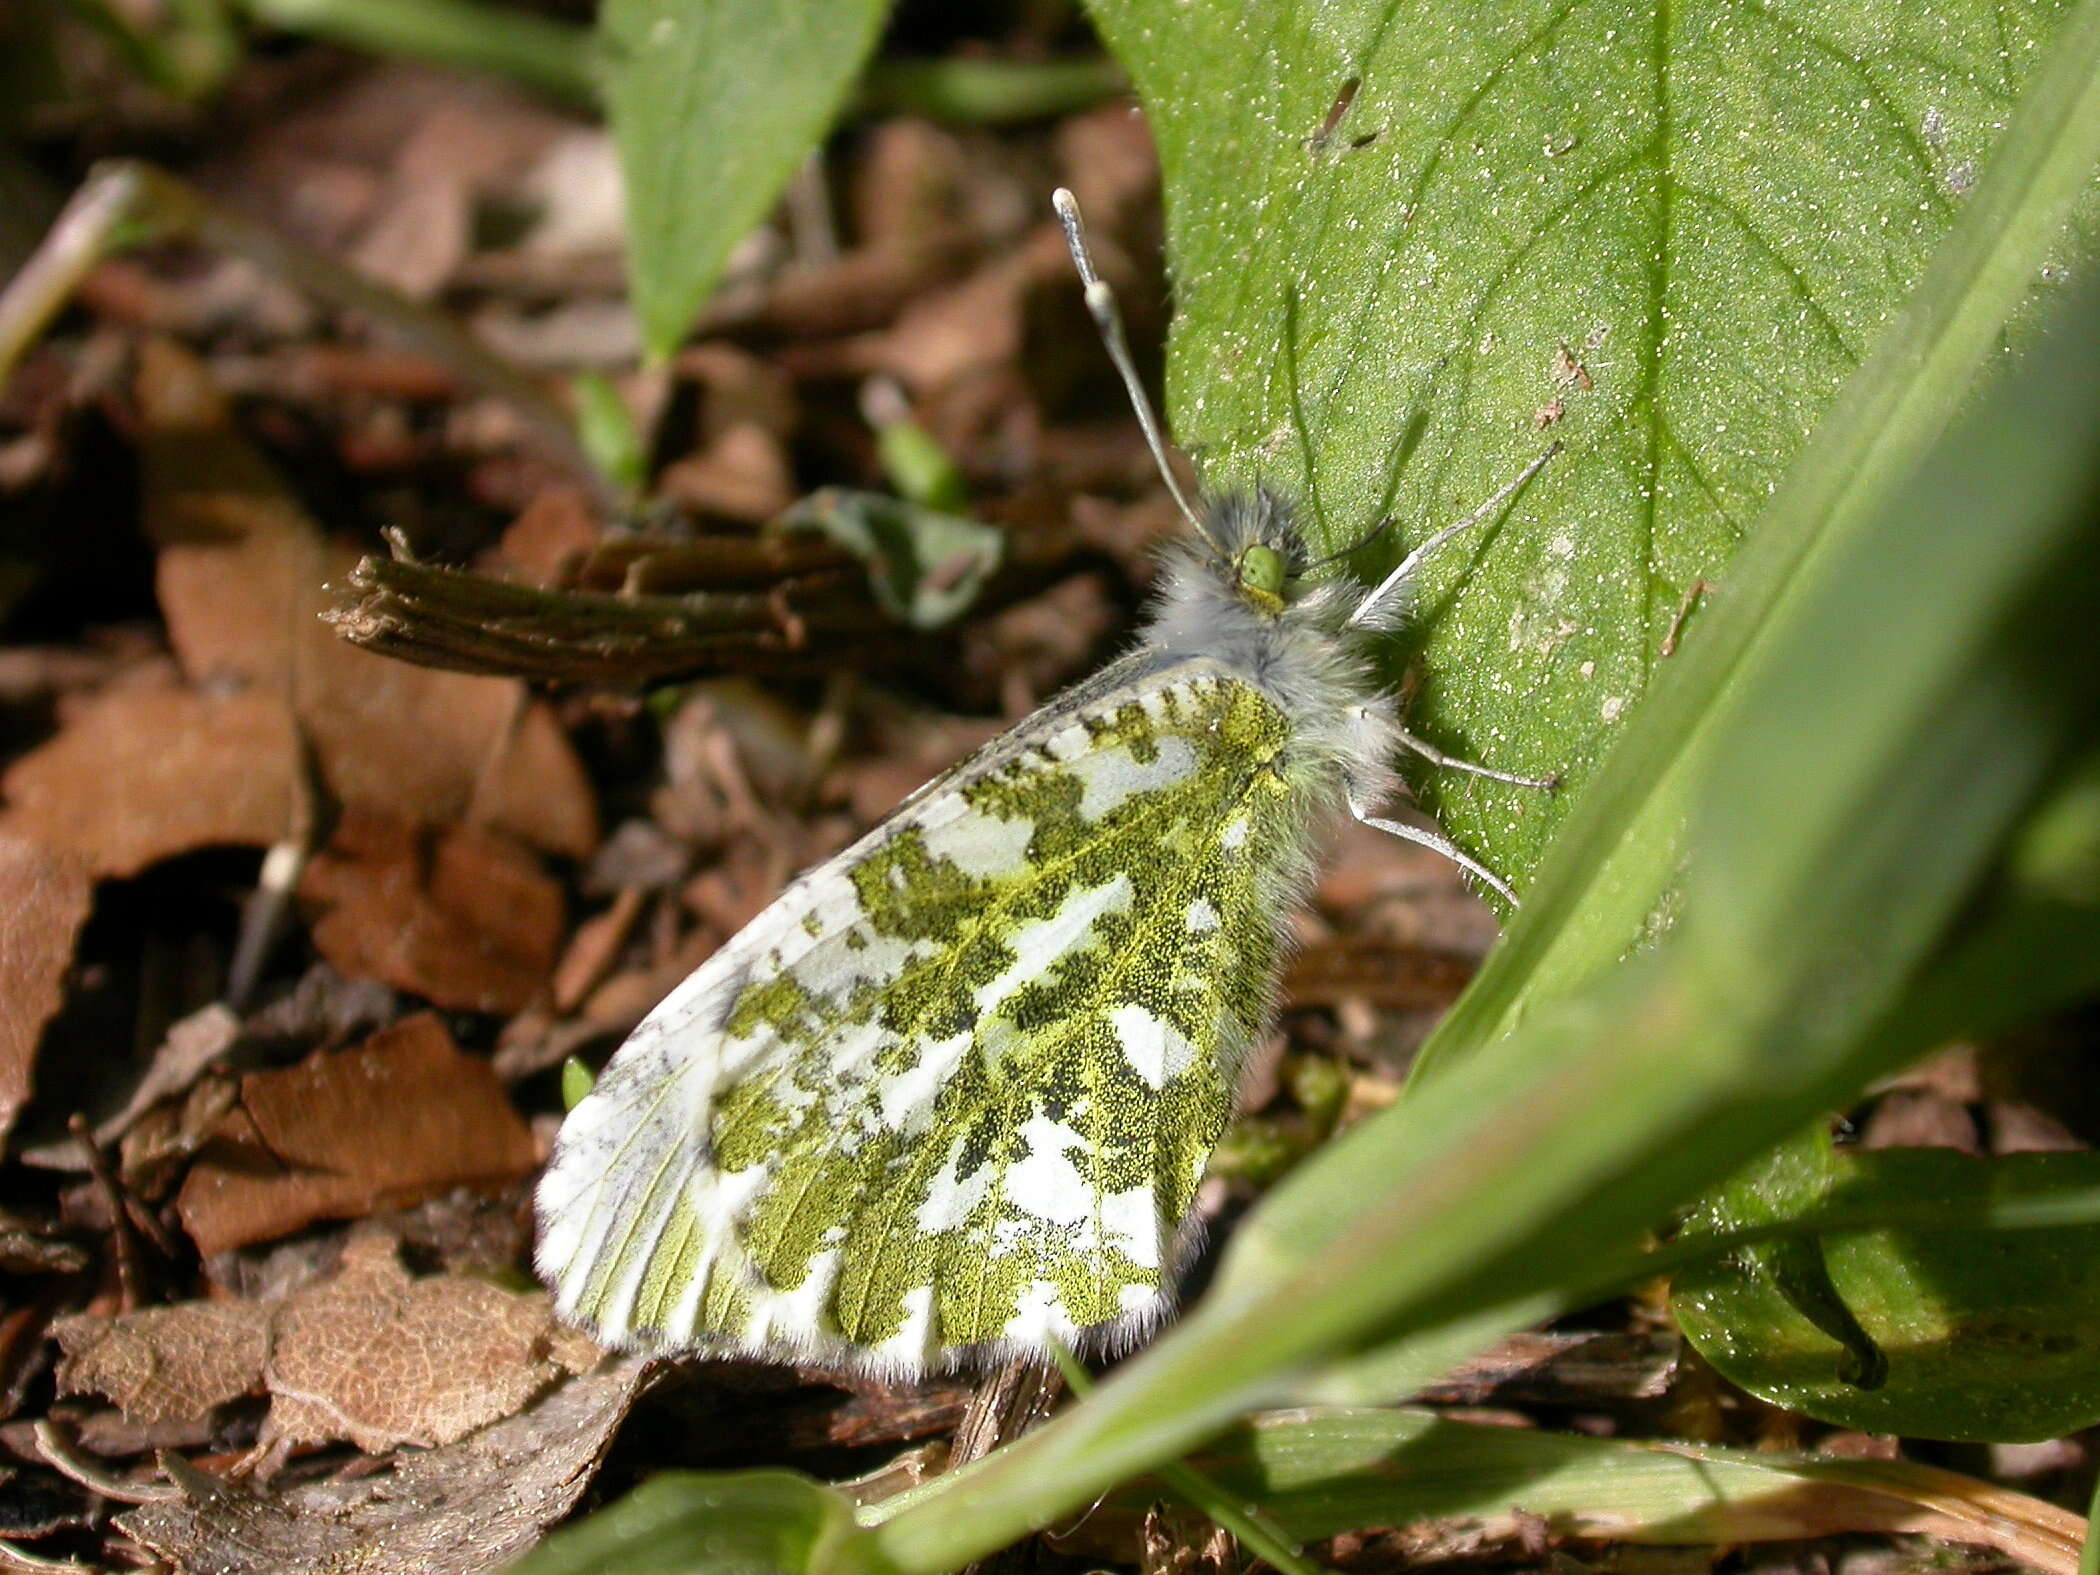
956, 1087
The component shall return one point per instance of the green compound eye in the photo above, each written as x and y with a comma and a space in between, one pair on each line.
1262, 571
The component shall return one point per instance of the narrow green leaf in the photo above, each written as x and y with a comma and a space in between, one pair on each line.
714, 103
965, 90
1256, 1532
918, 467
742, 1523
1319, 1473
1402, 241
552, 57
1989, 1334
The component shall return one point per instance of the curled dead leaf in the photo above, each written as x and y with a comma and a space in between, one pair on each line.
403, 1117
45, 894
459, 916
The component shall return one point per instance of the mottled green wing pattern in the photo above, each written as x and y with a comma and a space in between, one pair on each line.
956, 1087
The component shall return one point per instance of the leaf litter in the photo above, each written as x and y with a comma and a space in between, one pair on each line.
330, 1332
298, 1143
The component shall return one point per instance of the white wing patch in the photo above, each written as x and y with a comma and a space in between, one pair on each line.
982, 846
1109, 776
1038, 945
1157, 1051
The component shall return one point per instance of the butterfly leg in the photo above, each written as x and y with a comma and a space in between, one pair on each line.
1374, 607
1435, 841
1444, 762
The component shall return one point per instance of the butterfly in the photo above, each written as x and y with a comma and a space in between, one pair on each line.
948, 1099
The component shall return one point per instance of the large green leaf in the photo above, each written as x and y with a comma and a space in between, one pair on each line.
1713, 206
713, 104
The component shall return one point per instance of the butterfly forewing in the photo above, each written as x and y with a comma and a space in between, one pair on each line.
956, 1087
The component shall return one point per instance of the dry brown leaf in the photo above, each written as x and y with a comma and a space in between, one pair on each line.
334, 151
242, 578
142, 774
1920, 1118
401, 1118
193, 1044
376, 1359
553, 531
911, 176
166, 1364
464, 1509
945, 335
741, 475
458, 916
369, 1356
595, 949
422, 226
45, 894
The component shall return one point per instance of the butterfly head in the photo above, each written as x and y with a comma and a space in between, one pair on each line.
1262, 575
1260, 550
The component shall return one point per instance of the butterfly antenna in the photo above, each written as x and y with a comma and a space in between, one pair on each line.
1357, 545
1101, 301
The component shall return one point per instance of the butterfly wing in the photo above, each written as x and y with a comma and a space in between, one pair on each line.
956, 1086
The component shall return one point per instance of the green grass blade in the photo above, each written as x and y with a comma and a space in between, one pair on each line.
714, 103
549, 56
1318, 1473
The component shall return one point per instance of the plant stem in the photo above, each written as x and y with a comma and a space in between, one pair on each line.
1245, 1521
989, 92
546, 55
83, 234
